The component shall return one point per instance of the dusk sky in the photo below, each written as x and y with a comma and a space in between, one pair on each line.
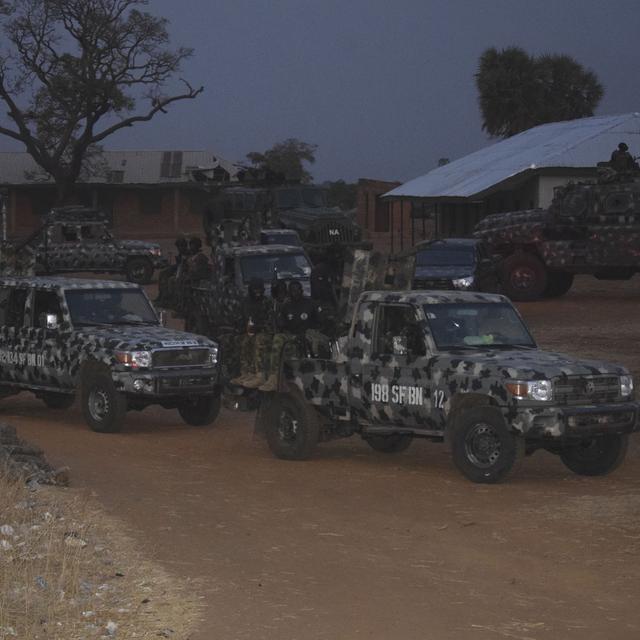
384, 89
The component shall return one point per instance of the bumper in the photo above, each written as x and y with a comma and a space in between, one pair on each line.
167, 383
577, 421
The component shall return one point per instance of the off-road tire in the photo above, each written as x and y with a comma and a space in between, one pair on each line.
139, 270
524, 277
291, 427
483, 448
558, 283
394, 443
200, 411
596, 456
103, 406
58, 401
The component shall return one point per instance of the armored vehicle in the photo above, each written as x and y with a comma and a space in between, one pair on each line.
590, 228
74, 239
455, 264
102, 341
453, 367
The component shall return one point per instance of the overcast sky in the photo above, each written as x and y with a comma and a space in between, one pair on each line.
383, 88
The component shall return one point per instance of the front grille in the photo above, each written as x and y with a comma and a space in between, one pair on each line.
587, 389
180, 357
435, 283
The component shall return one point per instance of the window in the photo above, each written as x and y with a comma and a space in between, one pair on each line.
398, 332
44, 303
381, 218
12, 303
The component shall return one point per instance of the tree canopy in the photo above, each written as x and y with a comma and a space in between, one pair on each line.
286, 158
518, 91
73, 72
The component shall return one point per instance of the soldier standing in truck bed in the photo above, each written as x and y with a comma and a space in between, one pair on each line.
257, 323
298, 314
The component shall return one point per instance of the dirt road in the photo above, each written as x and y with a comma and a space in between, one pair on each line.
358, 544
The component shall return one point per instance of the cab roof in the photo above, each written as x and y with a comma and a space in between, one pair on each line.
53, 282
431, 297
264, 249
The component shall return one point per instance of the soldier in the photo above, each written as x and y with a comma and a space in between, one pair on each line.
297, 315
164, 298
324, 296
257, 323
622, 160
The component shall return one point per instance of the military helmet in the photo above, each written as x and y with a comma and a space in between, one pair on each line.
623, 146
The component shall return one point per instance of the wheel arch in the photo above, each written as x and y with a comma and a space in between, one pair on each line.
460, 403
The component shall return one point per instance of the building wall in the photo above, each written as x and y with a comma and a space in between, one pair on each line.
391, 226
135, 213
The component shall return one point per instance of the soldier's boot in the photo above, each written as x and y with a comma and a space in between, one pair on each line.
271, 384
254, 381
242, 377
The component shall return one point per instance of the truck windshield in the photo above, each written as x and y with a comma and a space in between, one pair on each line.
477, 325
446, 256
305, 197
270, 266
109, 306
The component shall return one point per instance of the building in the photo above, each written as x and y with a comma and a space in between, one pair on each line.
146, 194
390, 225
518, 173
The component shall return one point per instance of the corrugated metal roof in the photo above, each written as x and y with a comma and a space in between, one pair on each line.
137, 167
574, 143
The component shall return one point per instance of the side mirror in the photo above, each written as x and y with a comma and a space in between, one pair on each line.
162, 317
51, 321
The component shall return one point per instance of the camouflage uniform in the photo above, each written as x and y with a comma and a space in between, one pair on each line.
297, 315
257, 322
164, 298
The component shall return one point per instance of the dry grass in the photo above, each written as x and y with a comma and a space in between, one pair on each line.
68, 572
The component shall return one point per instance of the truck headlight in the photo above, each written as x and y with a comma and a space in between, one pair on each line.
463, 283
134, 359
626, 386
541, 390
213, 355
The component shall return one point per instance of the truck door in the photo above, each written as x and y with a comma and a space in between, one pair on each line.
13, 348
48, 362
98, 248
395, 389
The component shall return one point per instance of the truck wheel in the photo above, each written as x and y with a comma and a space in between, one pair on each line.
484, 449
200, 411
58, 400
525, 277
389, 444
102, 405
139, 270
596, 456
558, 283
291, 428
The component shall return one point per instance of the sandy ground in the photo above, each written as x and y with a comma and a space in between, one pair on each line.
358, 544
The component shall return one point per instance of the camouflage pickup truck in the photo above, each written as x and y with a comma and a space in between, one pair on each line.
101, 341
74, 239
453, 367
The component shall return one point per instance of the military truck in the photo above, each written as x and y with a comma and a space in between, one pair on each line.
102, 341
74, 239
235, 267
589, 228
454, 367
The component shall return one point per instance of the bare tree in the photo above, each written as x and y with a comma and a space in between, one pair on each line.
77, 71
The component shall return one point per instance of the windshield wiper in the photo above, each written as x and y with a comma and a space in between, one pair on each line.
510, 346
